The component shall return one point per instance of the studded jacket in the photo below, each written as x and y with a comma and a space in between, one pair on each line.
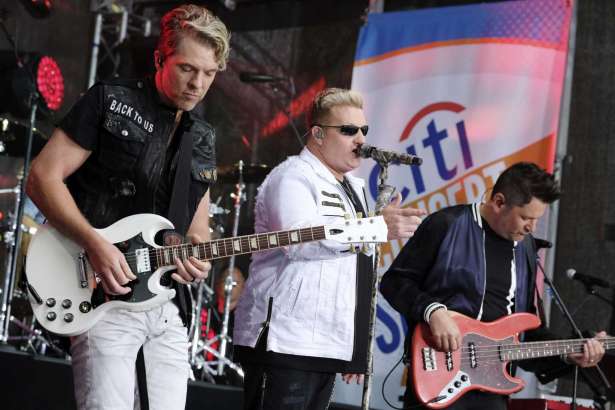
127, 128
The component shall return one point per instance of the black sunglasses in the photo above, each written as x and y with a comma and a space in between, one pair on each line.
349, 130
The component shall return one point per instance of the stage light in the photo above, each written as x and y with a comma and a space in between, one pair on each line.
50, 82
16, 83
38, 8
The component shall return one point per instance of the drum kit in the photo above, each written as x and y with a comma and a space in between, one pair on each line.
209, 331
212, 301
19, 326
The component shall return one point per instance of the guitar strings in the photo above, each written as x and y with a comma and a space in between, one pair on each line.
225, 243
482, 354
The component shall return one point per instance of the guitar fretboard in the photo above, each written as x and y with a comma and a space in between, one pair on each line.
534, 350
222, 248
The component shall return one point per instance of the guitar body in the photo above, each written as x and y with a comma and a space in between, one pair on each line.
442, 378
54, 271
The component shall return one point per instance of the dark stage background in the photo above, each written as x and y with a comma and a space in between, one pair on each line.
311, 45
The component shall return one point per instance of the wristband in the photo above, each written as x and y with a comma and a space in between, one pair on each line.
432, 308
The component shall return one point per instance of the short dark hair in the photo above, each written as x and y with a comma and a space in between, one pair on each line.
525, 180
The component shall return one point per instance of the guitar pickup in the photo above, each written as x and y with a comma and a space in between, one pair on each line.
429, 359
449, 361
143, 262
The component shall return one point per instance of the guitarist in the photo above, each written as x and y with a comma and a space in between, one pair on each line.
303, 314
128, 147
479, 260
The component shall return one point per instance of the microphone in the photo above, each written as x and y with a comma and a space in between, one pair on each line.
587, 280
542, 243
381, 155
247, 77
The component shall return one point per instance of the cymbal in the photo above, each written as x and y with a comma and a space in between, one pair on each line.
251, 173
13, 137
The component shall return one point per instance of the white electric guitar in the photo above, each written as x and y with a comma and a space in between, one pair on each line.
63, 289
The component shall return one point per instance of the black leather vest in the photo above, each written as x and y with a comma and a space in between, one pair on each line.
122, 175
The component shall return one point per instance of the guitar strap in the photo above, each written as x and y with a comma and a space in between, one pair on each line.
178, 206
178, 215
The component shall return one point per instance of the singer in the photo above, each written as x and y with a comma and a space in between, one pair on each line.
303, 315
479, 260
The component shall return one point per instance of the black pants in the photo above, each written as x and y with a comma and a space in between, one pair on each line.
472, 400
276, 388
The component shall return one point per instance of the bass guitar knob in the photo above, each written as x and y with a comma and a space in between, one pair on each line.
51, 316
67, 303
51, 302
68, 317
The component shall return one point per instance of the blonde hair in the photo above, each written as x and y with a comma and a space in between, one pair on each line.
196, 22
329, 98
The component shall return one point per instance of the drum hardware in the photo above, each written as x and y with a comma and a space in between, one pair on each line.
33, 341
14, 247
199, 347
228, 281
13, 134
248, 173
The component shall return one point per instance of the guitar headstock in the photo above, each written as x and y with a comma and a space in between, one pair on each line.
360, 230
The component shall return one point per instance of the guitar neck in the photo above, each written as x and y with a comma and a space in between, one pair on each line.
222, 248
535, 350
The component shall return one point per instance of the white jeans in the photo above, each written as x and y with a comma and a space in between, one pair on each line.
104, 358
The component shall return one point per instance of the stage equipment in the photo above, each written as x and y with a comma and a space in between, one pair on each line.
274, 82
385, 193
250, 173
540, 404
380, 155
588, 280
248, 77
216, 367
579, 334
14, 135
114, 21
30, 74
38, 8
33, 75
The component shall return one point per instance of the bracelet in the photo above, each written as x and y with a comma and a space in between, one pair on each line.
432, 308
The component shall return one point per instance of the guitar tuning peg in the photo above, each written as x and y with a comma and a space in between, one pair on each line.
359, 215
371, 214
352, 249
347, 216
365, 249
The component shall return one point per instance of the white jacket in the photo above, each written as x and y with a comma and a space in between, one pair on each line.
313, 285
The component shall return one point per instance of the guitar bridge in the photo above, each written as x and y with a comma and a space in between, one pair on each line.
429, 359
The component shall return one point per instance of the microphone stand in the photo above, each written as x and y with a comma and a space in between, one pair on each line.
286, 111
385, 192
14, 241
566, 312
